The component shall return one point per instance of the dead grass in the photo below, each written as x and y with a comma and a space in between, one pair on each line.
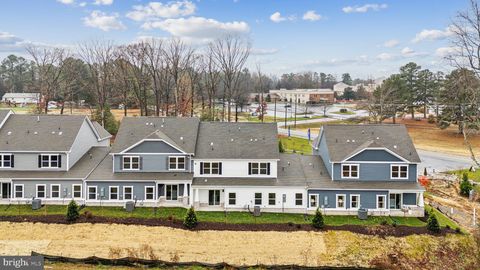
331, 248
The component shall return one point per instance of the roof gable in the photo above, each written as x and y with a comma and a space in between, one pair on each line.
153, 146
379, 154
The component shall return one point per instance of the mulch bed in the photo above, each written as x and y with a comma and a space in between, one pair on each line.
379, 230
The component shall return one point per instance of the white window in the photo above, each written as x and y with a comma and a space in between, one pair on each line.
259, 168
272, 198
131, 163
258, 198
354, 201
176, 163
232, 198
211, 168
399, 171
92, 192
171, 192
314, 200
6, 161
55, 191
18, 190
41, 191
298, 199
127, 192
350, 171
381, 201
50, 161
341, 201
149, 193
113, 192
77, 191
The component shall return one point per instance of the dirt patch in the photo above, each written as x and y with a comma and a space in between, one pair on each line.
326, 248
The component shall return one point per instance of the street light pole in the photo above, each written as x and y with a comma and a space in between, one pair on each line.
275, 110
286, 102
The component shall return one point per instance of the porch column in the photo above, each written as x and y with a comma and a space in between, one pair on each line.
185, 194
196, 198
420, 200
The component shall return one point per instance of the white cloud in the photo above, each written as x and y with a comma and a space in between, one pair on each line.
385, 57
360, 60
7, 38
277, 17
311, 16
256, 51
198, 29
103, 2
67, 2
433, 34
82, 4
447, 51
364, 8
157, 10
103, 21
407, 51
391, 43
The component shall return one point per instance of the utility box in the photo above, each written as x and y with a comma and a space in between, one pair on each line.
36, 204
256, 211
362, 214
129, 206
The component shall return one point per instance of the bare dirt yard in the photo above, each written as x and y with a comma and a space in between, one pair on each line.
331, 248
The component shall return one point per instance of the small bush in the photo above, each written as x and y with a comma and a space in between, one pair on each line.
343, 110
290, 224
280, 147
465, 185
432, 223
384, 222
299, 226
394, 223
447, 227
431, 119
458, 230
88, 214
72, 211
317, 221
170, 218
190, 220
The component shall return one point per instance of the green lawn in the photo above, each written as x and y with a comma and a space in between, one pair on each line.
335, 122
475, 176
269, 118
442, 219
230, 217
299, 145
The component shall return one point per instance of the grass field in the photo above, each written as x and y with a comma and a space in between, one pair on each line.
297, 145
317, 125
279, 118
230, 217
475, 176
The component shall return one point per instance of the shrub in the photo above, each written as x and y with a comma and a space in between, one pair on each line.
111, 125
431, 119
280, 147
317, 221
88, 214
465, 185
384, 222
458, 230
432, 223
190, 220
343, 110
72, 211
394, 223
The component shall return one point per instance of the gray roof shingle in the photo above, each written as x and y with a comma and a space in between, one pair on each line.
3, 115
182, 131
102, 132
223, 140
345, 140
40, 132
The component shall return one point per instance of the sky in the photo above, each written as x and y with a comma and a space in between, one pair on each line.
368, 39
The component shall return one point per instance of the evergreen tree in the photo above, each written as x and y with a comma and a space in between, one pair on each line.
317, 221
432, 223
190, 220
108, 120
72, 211
465, 185
280, 147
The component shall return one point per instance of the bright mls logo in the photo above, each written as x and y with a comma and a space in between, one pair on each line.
21, 262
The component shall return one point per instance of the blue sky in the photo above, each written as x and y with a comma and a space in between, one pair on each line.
365, 38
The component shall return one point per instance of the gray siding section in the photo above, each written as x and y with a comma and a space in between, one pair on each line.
153, 147
29, 162
85, 139
375, 155
138, 189
375, 172
29, 189
323, 153
410, 198
368, 199
151, 163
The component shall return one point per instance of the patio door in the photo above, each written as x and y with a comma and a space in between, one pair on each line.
214, 197
395, 200
172, 192
5, 191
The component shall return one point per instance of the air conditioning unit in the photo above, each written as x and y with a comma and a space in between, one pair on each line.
36, 204
129, 206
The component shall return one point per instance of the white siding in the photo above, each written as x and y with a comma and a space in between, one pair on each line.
83, 142
236, 168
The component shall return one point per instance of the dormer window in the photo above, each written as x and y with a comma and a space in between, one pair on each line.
259, 168
176, 163
350, 171
6, 161
399, 171
50, 161
131, 163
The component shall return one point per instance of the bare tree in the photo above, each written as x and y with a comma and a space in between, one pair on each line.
49, 66
230, 53
156, 67
211, 78
99, 57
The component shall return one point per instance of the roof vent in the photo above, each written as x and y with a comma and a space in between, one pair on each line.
161, 125
231, 139
211, 143
348, 140
251, 140
181, 138
363, 131
256, 139
395, 146
9, 133
378, 138
146, 124
36, 133
288, 163
336, 140
60, 133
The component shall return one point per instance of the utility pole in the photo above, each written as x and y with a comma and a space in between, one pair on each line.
286, 102
295, 114
275, 110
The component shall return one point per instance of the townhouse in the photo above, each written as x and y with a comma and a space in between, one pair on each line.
183, 162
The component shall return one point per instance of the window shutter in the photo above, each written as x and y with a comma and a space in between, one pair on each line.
220, 164
12, 161
140, 163
201, 167
268, 168
59, 161
39, 161
249, 168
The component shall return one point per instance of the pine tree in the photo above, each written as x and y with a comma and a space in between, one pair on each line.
317, 221
108, 119
72, 211
190, 220
280, 147
432, 223
465, 185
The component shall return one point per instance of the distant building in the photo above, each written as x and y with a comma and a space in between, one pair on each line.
27, 98
369, 87
305, 95
339, 88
